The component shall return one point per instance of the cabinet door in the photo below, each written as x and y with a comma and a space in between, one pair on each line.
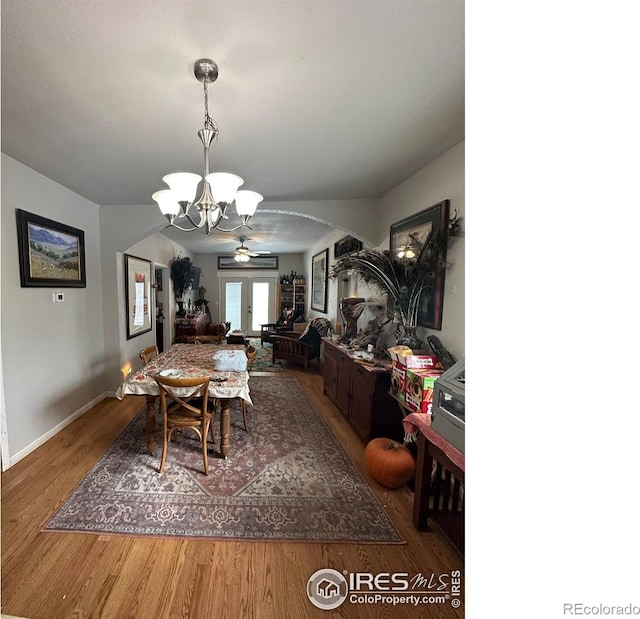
362, 387
343, 384
330, 373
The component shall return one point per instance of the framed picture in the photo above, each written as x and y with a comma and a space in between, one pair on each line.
407, 238
256, 262
51, 254
319, 275
138, 279
345, 246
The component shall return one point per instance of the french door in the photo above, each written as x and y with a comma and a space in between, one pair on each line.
247, 302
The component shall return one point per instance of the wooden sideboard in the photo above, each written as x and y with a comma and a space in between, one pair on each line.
361, 393
191, 326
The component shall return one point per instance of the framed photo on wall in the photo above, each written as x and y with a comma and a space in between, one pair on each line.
409, 235
138, 278
51, 254
256, 262
319, 279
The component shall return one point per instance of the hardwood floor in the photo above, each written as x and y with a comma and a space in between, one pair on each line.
56, 575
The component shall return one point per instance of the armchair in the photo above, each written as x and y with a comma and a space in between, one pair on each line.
283, 324
302, 349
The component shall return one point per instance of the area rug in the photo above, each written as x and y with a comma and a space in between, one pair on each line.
262, 362
287, 479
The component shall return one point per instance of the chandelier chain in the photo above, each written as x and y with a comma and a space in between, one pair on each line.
208, 121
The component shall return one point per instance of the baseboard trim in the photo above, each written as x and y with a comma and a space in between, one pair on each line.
63, 424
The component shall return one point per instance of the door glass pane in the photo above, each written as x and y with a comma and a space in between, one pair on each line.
260, 306
233, 304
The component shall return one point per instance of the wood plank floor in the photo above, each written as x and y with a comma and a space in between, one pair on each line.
57, 575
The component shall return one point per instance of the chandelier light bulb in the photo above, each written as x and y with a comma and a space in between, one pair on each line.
183, 185
167, 202
247, 202
223, 186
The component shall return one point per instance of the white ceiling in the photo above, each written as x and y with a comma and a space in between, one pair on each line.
316, 99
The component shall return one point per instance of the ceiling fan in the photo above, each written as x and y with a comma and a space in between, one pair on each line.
243, 253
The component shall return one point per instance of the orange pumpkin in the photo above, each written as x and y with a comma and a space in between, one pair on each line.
389, 462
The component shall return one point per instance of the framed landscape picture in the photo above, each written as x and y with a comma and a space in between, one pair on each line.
411, 234
319, 275
51, 254
256, 262
138, 279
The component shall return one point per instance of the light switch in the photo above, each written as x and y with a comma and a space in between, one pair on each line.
58, 297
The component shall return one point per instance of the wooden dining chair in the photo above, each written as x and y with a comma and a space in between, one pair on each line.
189, 412
148, 353
251, 353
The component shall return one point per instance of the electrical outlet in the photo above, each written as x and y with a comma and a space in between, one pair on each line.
58, 297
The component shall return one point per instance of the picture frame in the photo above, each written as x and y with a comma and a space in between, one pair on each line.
138, 277
256, 262
345, 246
319, 281
412, 231
51, 254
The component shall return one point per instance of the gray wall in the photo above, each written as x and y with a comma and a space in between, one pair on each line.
443, 179
52, 354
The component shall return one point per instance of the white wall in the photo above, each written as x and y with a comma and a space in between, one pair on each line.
441, 180
52, 354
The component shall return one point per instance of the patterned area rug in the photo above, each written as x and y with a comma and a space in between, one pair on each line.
263, 358
287, 479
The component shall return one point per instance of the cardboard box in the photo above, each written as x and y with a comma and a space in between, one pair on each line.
418, 395
398, 377
403, 359
414, 360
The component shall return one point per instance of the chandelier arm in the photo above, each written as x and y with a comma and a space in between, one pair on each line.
233, 229
174, 225
193, 222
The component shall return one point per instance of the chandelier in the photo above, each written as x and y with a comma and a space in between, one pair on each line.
219, 189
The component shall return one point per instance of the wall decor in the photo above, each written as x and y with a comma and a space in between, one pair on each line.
257, 262
319, 278
138, 279
407, 238
51, 254
345, 246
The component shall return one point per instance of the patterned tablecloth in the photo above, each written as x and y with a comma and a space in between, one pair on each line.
191, 360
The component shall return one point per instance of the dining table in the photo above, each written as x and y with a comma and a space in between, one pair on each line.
189, 360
